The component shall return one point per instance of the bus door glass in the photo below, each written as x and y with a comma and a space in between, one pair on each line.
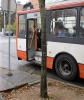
31, 38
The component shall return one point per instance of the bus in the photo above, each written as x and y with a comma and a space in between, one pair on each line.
65, 51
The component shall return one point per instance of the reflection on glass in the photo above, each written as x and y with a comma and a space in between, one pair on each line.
82, 23
63, 22
22, 24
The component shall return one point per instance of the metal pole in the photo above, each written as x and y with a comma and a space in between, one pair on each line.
9, 73
4, 22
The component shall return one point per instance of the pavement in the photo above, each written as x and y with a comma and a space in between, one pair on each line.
17, 78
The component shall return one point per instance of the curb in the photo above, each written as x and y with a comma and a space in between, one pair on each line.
69, 84
35, 82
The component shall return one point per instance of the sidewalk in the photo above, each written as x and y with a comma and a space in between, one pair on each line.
18, 78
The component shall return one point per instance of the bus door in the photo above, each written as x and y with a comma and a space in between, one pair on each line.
31, 39
32, 20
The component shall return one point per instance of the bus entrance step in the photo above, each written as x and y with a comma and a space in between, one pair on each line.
37, 62
38, 58
38, 53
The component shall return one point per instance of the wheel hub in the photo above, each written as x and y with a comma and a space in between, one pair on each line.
65, 67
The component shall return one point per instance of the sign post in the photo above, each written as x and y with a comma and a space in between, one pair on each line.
10, 6
4, 22
9, 73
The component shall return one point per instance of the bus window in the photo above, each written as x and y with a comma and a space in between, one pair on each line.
63, 22
39, 23
22, 31
82, 23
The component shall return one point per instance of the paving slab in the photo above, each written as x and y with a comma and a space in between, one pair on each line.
17, 79
4, 84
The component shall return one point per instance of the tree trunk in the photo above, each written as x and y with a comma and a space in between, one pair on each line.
43, 88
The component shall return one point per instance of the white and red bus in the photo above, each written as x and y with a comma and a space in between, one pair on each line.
65, 53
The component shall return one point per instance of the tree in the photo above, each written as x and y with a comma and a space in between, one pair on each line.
6, 16
43, 90
13, 27
1, 20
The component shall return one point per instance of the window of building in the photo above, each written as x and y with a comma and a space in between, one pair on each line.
63, 23
81, 33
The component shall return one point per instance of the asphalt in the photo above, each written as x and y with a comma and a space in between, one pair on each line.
18, 78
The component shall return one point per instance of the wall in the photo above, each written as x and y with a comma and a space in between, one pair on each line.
19, 7
35, 3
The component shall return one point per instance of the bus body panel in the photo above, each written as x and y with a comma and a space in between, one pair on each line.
21, 48
21, 44
21, 55
49, 62
54, 48
81, 70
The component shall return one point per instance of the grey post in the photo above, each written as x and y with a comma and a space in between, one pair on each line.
9, 73
4, 21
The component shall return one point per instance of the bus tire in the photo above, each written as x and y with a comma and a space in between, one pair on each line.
66, 67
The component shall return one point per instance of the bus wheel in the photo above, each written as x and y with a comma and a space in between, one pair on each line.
66, 67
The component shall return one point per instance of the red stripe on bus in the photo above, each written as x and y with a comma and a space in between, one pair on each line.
81, 70
28, 11
49, 63
22, 55
3, 87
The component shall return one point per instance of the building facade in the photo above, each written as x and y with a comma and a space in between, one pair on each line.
19, 7
35, 3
